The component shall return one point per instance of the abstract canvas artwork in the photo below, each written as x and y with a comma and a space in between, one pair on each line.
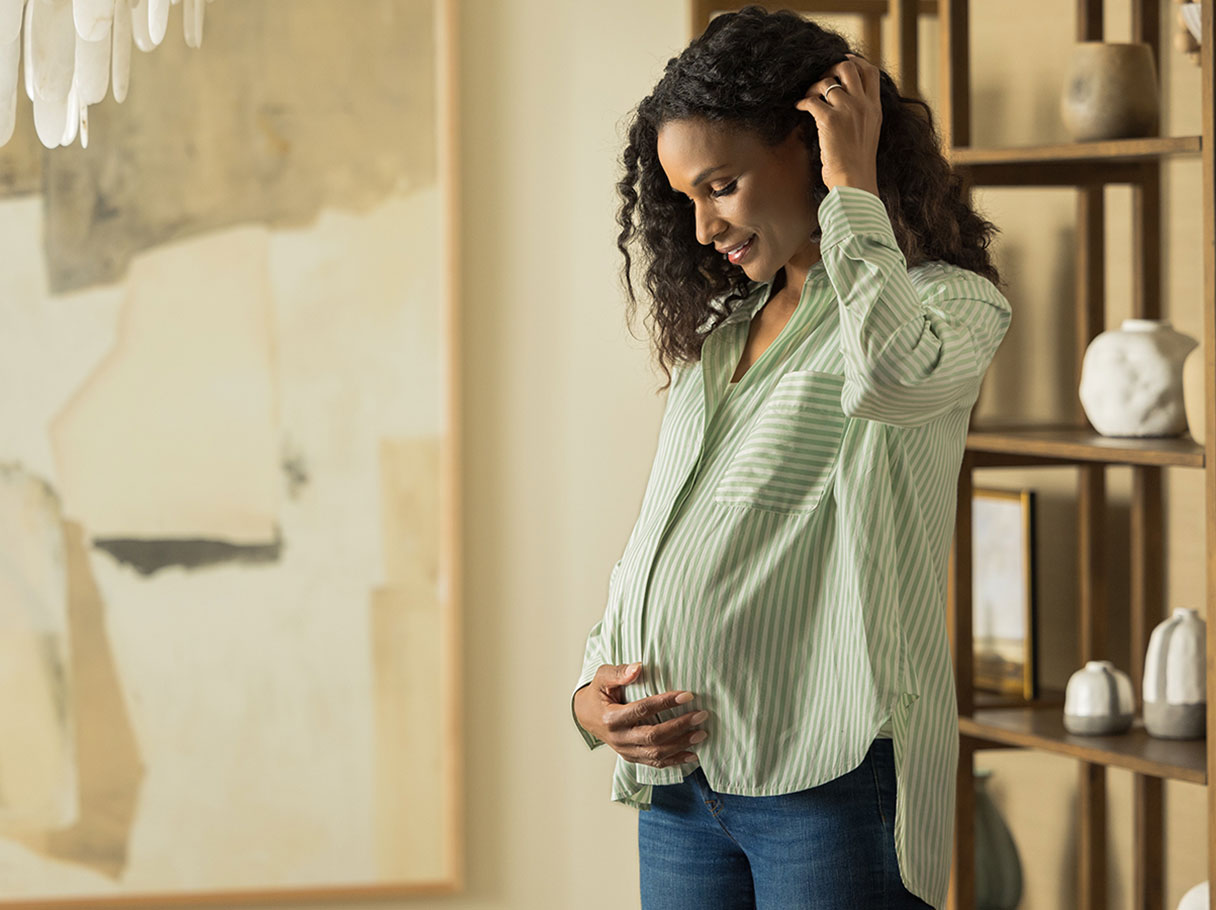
228, 618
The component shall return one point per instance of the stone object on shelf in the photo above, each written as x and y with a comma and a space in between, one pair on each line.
1175, 679
1099, 700
1131, 379
1110, 91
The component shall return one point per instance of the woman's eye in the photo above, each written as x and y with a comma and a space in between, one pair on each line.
726, 190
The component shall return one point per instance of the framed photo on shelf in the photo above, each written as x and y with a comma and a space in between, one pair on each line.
1003, 592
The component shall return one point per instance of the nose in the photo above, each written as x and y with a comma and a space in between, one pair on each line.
709, 225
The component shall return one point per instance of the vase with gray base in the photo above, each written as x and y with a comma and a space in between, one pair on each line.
998, 868
1099, 700
1175, 679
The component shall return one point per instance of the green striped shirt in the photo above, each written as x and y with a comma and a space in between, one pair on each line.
789, 564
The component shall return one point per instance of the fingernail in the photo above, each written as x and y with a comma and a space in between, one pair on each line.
683, 698
700, 716
633, 668
698, 736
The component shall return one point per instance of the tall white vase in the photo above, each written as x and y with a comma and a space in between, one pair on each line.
1131, 379
1175, 690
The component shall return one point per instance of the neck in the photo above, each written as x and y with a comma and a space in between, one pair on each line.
792, 277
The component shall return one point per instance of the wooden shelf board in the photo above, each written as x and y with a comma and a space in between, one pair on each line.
1043, 728
1046, 697
1106, 151
1067, 444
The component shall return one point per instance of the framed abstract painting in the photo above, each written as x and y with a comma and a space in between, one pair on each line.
228, 459
1003, 592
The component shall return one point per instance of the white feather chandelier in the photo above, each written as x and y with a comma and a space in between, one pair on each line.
73, 50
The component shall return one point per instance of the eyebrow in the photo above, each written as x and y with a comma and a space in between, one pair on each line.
705, 173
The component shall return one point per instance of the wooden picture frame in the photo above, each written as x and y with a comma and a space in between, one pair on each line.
1003, 592
229, 537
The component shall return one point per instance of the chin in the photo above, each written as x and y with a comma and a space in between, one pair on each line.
760, 272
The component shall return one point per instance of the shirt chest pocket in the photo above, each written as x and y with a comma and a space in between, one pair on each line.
787, 459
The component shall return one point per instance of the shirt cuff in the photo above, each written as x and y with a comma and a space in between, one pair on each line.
590, 739
848, 210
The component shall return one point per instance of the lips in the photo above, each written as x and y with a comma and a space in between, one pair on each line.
739, 250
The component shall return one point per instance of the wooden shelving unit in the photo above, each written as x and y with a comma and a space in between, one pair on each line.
1089, 167
991, 722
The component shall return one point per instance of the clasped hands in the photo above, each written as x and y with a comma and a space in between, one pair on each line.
600, 708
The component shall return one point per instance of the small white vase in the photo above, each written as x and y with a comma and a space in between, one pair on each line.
1175, 690
1196, 899
1099, 700
1131, 379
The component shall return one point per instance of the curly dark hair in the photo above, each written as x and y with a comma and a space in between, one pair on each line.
747, 70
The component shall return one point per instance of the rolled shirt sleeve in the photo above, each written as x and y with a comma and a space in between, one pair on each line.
595, 655
593, 659
911, 354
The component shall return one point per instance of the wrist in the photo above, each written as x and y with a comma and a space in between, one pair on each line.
867, 183
577, 702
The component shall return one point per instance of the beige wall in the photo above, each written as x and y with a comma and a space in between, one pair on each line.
560, 424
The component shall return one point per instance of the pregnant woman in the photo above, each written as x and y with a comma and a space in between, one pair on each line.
772, 667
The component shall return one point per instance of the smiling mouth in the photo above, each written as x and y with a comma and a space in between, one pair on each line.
736, 253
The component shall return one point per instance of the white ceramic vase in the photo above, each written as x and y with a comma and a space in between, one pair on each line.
1197, 898
1099, 700
1175, 691
1131, 379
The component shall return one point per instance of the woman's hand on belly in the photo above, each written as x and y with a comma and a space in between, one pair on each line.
626, 727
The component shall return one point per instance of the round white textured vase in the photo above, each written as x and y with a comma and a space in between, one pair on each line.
1099, 700
1131, 379
1196, 899
1175, 690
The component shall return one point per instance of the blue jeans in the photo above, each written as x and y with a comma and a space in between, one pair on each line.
830, 847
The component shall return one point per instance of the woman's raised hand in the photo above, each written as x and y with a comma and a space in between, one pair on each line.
849, 120
624, 726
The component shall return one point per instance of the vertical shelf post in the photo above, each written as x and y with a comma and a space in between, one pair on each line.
907, 52
1091, 507
954, 45
1147, 516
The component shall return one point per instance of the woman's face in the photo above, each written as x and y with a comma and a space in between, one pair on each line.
752, 201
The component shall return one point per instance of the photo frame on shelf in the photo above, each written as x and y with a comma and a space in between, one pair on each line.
1003, 592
